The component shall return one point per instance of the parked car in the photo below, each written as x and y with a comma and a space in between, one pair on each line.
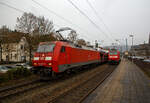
147, 60
24, 65
3, 69
10, 66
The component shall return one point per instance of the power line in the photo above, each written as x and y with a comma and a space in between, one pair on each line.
83, 13
100, 18
57, 15
96, 13
52, 11
86, 17
19, 10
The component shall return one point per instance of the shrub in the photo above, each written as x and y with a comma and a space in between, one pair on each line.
15, 73
3, 78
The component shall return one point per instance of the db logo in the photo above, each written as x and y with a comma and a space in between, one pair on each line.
42, 58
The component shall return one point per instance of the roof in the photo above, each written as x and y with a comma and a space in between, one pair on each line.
12, 37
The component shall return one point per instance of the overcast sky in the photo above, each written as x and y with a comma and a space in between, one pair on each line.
117, 18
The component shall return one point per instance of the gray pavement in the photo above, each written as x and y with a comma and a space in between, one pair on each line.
127, 84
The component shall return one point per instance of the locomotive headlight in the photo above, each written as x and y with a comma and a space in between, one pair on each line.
48, 58
115, 56
49, 63
36, 58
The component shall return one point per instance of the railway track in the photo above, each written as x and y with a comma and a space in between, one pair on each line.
3, 89
7, 93
94, 88
81, 91
18, 89
62, 90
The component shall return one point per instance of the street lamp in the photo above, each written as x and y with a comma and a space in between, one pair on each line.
132, 47
132, 39
119, 44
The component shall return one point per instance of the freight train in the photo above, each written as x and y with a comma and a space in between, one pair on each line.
56, 57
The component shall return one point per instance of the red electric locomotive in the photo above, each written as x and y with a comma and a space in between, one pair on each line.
55, 57
114, 56
59, 56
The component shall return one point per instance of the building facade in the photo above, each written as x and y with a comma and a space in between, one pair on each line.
15, 51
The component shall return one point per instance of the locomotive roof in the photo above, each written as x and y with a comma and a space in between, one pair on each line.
66, 43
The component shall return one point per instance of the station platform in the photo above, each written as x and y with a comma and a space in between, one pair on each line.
127, 84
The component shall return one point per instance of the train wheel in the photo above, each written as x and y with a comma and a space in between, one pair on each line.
68, 71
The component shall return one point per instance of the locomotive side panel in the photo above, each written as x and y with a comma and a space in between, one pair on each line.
64, 59
73, 57
62, 56
82, 57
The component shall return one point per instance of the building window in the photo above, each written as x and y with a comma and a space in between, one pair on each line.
7, 58
15, 56
21, 47
11, 56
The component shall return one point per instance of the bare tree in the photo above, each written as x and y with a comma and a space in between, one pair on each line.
81, 42
45, 26
30, 24
72, 36
26, 23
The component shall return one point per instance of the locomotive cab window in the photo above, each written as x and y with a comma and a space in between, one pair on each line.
46, 48
113, 53
63, 48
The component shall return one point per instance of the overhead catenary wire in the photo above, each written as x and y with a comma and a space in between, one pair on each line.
61, 17
19, 10
100, 30
22, 11
100, 19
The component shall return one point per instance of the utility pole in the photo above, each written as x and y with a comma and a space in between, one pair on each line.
119, 45
126, 45
132, 47
96, 44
